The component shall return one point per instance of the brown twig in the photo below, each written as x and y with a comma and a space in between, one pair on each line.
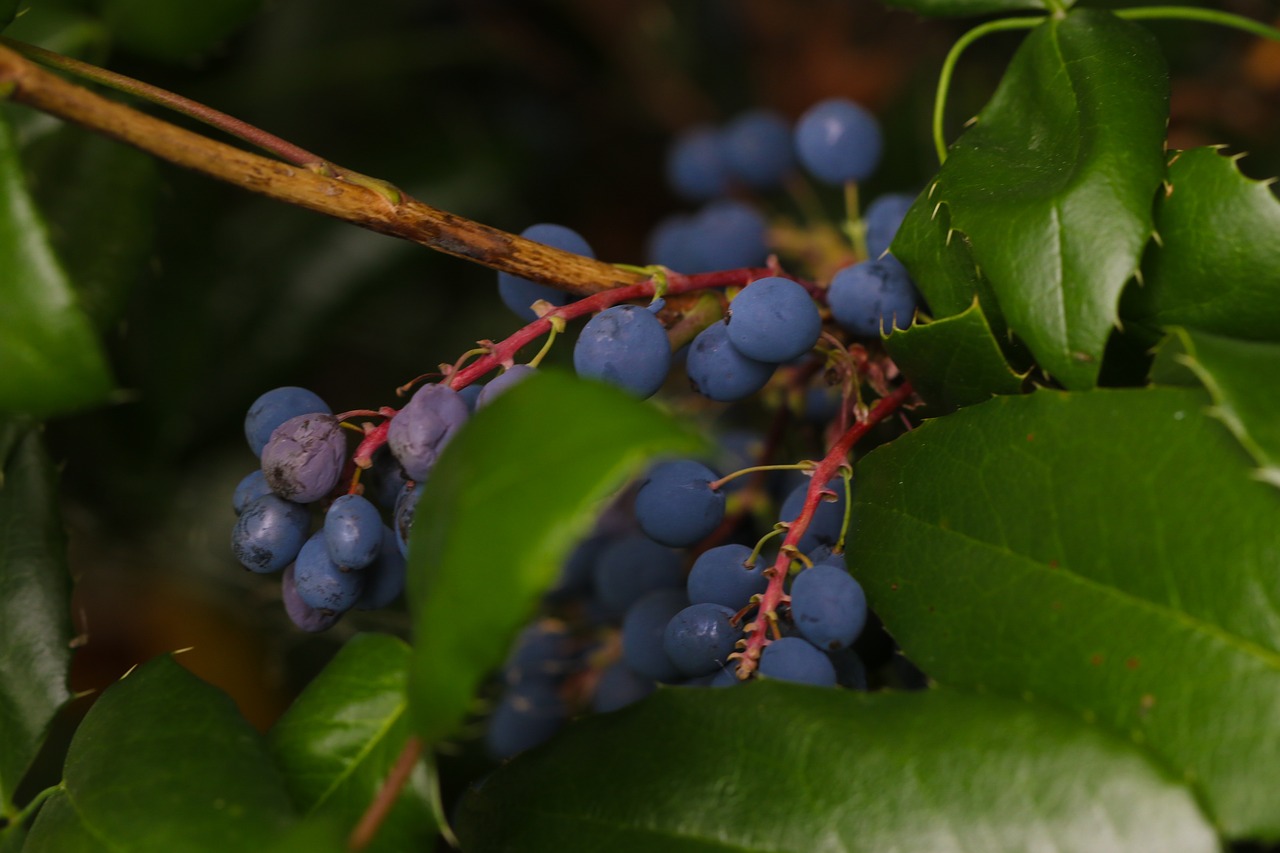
26, 83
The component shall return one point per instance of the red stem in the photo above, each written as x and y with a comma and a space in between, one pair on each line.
362, 836
827, 469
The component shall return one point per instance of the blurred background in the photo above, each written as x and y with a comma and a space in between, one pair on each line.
510, 113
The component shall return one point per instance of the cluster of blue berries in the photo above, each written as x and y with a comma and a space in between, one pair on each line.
649, 614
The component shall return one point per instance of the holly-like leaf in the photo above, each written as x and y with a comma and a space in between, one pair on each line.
511, 495
779, 767
954, 361
1108, 551
1053, 185
964, 8
164, 762
35, 603
50, 361
339, 740
1217, 264
1243, 377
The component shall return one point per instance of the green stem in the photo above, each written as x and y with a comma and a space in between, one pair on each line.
949, 65
793, 466
32, 807
1209, 16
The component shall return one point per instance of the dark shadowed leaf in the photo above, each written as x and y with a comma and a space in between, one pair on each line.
35, 602
537, 463
165, 762
954, 361
1217, 265
1053, 187
175, 32
1109, 551
779, 767
340, 738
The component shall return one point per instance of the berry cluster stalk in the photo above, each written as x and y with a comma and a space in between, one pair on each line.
828, 468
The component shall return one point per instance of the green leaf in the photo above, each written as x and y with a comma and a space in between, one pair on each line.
1217, 264
50, 361
511, 495
175, 32
340, 738
98, 198
165, 762
35, 604
1107, 551
780, 767
955, 361
962, 8
1243, 377
8, 9
1053, 186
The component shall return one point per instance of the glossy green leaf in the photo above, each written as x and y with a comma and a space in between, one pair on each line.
511, 495
1217, 264
1053, 185
962, 8
954, 361
165, 762
1108, 551
1243, 377
50, 360
940, 260
340, 738
779, 767
175, 32
35, 603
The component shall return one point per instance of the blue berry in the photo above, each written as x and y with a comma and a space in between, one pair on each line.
727, 677
618, 687
543, 650
717, 370
402, 518
794, 659
696, 167
527, 715
519, 294
307, 618
632, 566
720, 576
673, 243
873, 298
471, 394
757, 146
883, 218
269, 533
626, 346
675, 504
828, 518
302, 461
838, 141
728, 234
643, 629
828, 607
424, 426
274, 408
384, 577
321, 583
352, 531
700, 638
773, 320
253, 486
511, 376
384, 479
